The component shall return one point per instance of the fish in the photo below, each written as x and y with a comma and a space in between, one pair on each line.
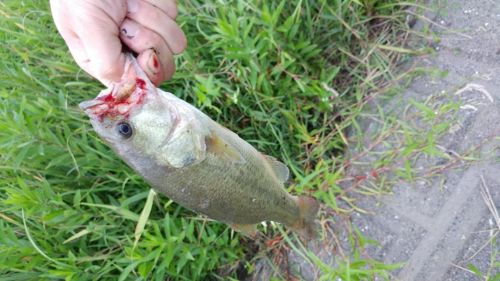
198, 163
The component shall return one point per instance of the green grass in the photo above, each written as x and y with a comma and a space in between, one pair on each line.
289, 77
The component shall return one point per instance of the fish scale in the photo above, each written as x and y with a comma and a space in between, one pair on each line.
206, 180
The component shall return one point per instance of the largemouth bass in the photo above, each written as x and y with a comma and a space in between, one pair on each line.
193, 160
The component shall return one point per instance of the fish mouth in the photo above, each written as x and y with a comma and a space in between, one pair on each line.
116, 102
88, 104
121, 98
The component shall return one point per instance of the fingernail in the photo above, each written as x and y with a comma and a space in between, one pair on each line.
154, 63
132, 6
129, 30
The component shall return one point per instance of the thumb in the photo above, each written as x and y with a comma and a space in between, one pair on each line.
149, 62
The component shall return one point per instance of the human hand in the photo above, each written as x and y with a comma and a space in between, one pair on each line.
96, 30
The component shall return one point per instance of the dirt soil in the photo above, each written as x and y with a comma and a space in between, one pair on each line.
437, 227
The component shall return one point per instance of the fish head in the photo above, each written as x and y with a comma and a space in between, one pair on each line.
131, 117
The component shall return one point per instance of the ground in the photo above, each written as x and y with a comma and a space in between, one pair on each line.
443, 224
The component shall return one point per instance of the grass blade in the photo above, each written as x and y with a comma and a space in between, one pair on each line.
143, 218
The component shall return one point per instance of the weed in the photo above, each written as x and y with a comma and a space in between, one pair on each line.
288, 76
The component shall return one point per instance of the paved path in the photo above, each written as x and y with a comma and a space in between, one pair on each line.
436, 227
442, 224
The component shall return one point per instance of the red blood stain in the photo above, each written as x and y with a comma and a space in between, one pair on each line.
155, 62
107, 98
140, 83
110, 106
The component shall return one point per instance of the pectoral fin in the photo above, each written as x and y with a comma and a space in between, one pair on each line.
219, 147
280, 170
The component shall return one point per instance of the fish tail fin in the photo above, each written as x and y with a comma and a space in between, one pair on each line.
306, 226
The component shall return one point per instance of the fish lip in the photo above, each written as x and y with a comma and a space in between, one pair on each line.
86, 105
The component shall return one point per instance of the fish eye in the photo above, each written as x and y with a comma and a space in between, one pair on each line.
124, 129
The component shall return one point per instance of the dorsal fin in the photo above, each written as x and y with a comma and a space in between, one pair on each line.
280, 170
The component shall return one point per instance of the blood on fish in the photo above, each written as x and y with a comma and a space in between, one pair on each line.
116, 107
140, 83
107, 98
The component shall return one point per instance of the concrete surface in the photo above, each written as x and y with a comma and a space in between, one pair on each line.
439, 226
